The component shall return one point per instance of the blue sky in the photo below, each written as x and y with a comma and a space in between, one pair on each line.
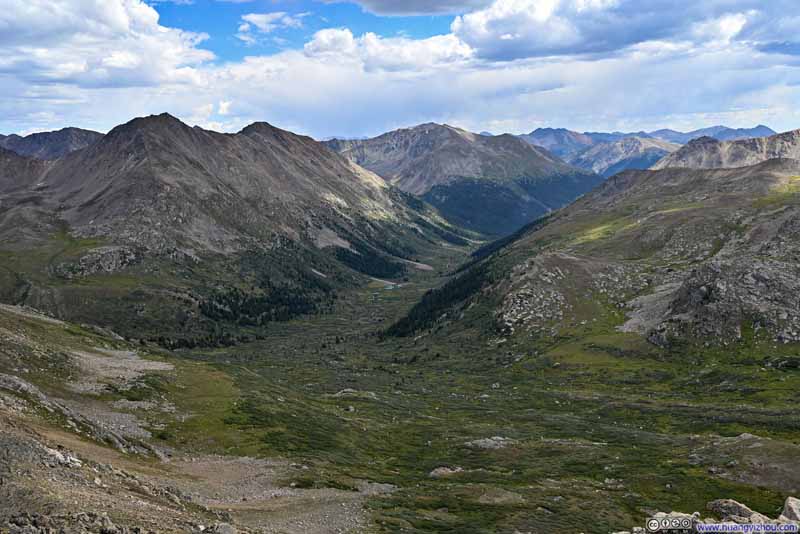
361, 67
220, 21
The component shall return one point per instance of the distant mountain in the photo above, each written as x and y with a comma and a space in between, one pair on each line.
626, 153
560, 141
50, 145
706, 152
492, 185
721, 133
487, 134
256, 226
610, 137
695, 257
568, 144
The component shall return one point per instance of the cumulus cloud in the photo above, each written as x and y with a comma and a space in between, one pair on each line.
95, 43
397, 53
513, 29
267, 23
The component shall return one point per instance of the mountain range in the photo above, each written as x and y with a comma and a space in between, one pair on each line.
208, 332
607, 153
707, 152
50, 145
489, 184
188, 218
698, 251
567, 144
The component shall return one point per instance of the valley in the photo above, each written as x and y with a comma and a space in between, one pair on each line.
587, 431
399, 266
634, 352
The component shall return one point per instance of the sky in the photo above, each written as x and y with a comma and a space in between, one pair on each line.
354, 68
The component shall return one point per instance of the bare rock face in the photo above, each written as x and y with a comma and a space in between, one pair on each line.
715, 299
610, 158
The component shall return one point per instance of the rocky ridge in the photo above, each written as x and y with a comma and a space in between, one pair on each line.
50, 145
708, 153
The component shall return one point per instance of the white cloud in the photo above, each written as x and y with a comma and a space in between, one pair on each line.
267, 23
720, 30
224, 107
513, 29
396, 53
94, 43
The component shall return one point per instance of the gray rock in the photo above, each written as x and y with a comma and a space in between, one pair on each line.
223, 528
791, 509
728, 508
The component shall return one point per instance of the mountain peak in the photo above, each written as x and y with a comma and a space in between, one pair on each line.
259, 127
161, 119
50, 145
151, 124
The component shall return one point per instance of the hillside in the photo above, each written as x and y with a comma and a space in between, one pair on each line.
491, 185
707, 153
161, 228
663, 304
696, 256
50, 145
610, 158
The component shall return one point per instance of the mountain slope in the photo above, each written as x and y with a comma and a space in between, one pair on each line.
696, 256
192, 227
560, 141
610, 158
489, 184
710, 153
50, 145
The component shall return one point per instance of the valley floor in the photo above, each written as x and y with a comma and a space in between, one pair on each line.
324, 426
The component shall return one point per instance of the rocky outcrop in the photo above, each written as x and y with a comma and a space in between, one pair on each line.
105, 260
724, 511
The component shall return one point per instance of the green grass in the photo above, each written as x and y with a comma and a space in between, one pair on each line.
588, 405
782, 193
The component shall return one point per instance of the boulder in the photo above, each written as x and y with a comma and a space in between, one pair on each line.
791, 509
730, 509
